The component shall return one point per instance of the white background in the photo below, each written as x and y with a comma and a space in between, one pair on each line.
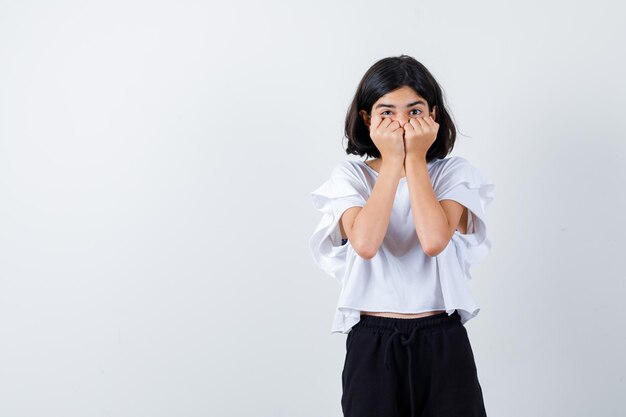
156, 160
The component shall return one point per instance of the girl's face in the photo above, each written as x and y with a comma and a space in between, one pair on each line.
399, 105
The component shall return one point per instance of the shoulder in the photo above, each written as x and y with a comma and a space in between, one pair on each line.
351, 174
458, 179
349, 169
345, 166
460, 172
456, 170
452, 163
458, 167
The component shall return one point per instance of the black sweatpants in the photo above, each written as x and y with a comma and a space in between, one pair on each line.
420, 367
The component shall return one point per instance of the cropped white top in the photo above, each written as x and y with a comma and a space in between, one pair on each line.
401, 278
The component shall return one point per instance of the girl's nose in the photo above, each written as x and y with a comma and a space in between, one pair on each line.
402, 121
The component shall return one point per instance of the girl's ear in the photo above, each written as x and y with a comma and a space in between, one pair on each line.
366, 118
433, 113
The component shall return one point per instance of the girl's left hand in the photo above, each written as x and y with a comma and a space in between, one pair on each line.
419, 135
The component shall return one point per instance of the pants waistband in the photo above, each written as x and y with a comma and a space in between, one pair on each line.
407, 325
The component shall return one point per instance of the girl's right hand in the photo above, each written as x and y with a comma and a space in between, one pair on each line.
388, 137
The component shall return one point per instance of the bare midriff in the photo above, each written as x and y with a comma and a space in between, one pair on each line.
401, 315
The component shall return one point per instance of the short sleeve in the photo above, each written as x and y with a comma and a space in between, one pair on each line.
344, 189
462, 182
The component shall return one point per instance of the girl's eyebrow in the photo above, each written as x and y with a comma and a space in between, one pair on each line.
393, 107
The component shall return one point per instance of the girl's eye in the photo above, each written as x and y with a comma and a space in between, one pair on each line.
388, 111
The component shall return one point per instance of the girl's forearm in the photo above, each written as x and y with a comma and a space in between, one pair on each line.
371, 223
431, 222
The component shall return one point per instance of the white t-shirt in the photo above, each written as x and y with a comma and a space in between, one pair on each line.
401, 277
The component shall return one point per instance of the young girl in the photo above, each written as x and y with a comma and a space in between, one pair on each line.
399, 233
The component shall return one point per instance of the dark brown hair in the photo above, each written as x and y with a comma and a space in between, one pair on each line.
385, 76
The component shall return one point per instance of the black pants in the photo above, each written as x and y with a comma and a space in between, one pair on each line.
422, 367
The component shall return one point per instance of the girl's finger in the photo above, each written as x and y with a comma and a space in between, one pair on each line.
420, 124
430, 121
396, 126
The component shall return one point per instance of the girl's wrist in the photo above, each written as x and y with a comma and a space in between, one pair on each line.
394, 166
395, 162
415, 158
